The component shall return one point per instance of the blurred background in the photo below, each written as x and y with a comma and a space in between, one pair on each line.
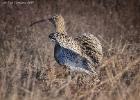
28, 70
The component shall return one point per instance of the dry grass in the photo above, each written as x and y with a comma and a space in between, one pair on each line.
28, 70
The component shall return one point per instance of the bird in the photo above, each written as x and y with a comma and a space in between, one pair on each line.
80, 54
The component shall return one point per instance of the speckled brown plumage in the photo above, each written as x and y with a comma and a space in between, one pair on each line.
86, 48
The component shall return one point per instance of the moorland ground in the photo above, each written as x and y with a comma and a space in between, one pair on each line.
28, 70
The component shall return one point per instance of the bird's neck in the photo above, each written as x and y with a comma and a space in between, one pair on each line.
60, 27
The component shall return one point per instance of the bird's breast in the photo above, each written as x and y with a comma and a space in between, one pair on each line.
64, 56
69, 58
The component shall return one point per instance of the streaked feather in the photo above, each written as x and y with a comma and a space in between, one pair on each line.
91, 46
81, 53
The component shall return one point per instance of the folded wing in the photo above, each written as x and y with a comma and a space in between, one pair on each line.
91, 47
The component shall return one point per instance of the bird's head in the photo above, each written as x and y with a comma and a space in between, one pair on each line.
58, 23
56, 19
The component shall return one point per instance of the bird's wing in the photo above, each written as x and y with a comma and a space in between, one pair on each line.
87, 47
91, 47
71, 44
74, 46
